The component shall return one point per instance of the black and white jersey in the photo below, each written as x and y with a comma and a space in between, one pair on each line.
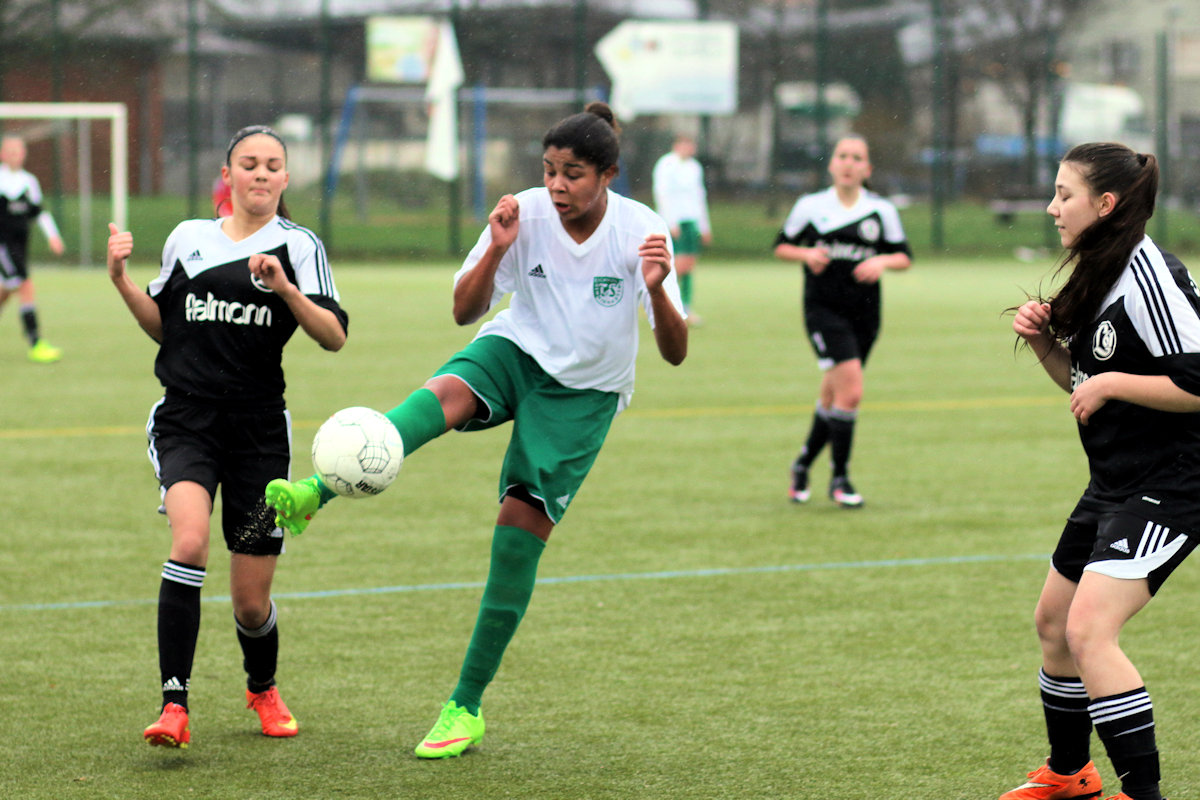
20, 204
223, 330
852, 235
1148, 324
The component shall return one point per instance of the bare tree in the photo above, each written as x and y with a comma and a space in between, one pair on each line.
1015, 43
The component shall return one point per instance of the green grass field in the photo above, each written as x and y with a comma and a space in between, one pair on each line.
694, 635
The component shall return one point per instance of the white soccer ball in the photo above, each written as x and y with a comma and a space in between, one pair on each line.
357, 452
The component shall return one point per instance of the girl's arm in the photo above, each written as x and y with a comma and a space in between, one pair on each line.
140, 304
1152, 391
670, 328
1031, 324
870, 270
321, 324
815, 258
473, 292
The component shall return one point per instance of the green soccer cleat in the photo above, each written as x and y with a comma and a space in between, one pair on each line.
455, 731
294, 503
44, 353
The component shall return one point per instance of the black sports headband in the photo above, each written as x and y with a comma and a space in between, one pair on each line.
252, 130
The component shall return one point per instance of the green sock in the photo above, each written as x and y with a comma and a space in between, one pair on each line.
324, 492
515, 554
685, 289
419, 419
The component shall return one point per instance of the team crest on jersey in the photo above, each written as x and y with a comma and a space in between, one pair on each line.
1104, 341
869, 230
607, 291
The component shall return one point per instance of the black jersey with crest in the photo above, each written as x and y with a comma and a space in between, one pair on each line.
852, 235
1148, 324
223, 330
20, 203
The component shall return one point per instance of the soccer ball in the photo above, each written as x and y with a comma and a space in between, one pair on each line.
357, 452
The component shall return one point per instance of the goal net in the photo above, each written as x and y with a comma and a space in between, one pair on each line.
72, 122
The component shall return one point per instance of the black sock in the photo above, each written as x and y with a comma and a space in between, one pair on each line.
841, 438
260, 652
1125, 723
30, 324
818, 435
1068, 725
178, 628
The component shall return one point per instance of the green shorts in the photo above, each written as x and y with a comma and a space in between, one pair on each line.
688, 241
557, 432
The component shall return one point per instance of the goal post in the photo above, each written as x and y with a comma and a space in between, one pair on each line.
117, 117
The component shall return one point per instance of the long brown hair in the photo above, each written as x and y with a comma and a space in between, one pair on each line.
1099, 254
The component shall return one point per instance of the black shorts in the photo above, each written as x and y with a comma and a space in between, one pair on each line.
1130, 540
13, 268
839, 337
239, 450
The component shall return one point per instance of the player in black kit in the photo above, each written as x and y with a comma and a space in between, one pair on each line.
21, 204
845, 237
230, 293
1122, 336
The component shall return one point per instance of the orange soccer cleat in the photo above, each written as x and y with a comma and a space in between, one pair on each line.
171, 730
1044, 784
272, 712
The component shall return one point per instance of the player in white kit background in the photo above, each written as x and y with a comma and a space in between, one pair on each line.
681, 199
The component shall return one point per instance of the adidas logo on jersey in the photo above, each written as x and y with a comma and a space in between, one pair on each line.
195, 256
537, 272
1121, 546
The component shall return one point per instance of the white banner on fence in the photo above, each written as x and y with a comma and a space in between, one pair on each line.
671, 67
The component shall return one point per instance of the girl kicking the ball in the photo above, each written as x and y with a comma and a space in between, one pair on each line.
578, 260
229, 295
1122, 337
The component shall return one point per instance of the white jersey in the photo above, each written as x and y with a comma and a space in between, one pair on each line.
574, 305
679, 194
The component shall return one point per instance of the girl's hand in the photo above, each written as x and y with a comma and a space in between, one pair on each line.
656, 260
1090, 396
870, 270
816, 259
505, 221
1032, 320
268, 270
120, 246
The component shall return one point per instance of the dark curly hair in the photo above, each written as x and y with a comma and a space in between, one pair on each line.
591, 135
